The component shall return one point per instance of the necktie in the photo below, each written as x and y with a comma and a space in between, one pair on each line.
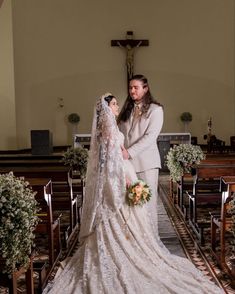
136, 112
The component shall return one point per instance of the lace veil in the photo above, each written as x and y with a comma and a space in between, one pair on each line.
105, 178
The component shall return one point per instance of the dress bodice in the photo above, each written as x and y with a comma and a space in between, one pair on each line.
128, 167
121, 138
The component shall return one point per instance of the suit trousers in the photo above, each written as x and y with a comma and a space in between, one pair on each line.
151, 178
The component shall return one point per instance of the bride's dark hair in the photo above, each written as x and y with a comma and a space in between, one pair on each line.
109, 98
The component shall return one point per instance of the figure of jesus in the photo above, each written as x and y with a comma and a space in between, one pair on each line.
129, 58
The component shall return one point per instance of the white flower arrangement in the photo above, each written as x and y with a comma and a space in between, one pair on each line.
182, 158
138, 193
18, 219
76, 158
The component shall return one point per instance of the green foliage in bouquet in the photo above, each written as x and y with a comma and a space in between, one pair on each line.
182, 158
76, 158
18, 219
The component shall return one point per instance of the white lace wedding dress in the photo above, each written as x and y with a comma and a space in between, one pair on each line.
121, 256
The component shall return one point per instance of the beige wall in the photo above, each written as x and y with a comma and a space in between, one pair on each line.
7, 86
62, 50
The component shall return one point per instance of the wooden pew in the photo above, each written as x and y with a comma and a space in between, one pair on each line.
67, 194
222, 223
186, 182
47, 226
7, 160
11, 282
78, 187
206, 193
68, 189
64, 199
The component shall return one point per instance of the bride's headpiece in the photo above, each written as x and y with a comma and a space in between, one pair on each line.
105, 120
105, 180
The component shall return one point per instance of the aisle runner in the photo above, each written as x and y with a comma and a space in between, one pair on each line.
197, 254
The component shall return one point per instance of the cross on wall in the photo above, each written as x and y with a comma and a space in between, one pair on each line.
129, 44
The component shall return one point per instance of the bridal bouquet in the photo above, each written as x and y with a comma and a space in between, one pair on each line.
138, 193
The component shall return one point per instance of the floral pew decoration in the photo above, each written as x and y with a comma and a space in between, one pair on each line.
182, 159
18, 220
77, 159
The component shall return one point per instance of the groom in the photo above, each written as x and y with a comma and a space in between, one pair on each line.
141, 120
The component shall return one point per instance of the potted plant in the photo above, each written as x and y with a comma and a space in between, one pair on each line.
182, 158
74, 119
18, 219
186, 117
77, 159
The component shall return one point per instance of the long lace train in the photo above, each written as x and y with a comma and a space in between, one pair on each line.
120, 256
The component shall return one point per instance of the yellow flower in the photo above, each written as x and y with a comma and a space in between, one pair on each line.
145, 195
138, 189
137, 198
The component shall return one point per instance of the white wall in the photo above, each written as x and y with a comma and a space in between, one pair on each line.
62, 49
7, 86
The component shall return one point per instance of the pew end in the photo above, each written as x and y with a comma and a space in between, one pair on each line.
221, 227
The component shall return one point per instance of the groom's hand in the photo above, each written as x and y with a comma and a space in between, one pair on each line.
125, 153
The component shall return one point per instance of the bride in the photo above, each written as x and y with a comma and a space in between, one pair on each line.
118, 253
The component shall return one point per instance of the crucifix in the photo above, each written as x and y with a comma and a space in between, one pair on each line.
129, 44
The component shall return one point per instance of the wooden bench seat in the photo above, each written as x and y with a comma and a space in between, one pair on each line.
221, 224
186, 182
63, 199
206, 194
78, 187
11, 281
48, 226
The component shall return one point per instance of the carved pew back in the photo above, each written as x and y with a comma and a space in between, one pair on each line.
47, 226
206, 193
63, 199
222, 223
186, 183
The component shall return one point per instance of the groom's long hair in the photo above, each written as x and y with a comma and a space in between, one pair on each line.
129, 103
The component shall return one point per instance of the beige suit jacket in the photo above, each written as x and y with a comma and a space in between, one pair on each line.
141, 138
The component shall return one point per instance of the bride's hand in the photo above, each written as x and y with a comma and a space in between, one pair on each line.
128, 182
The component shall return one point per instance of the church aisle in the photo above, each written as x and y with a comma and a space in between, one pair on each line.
167, 232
